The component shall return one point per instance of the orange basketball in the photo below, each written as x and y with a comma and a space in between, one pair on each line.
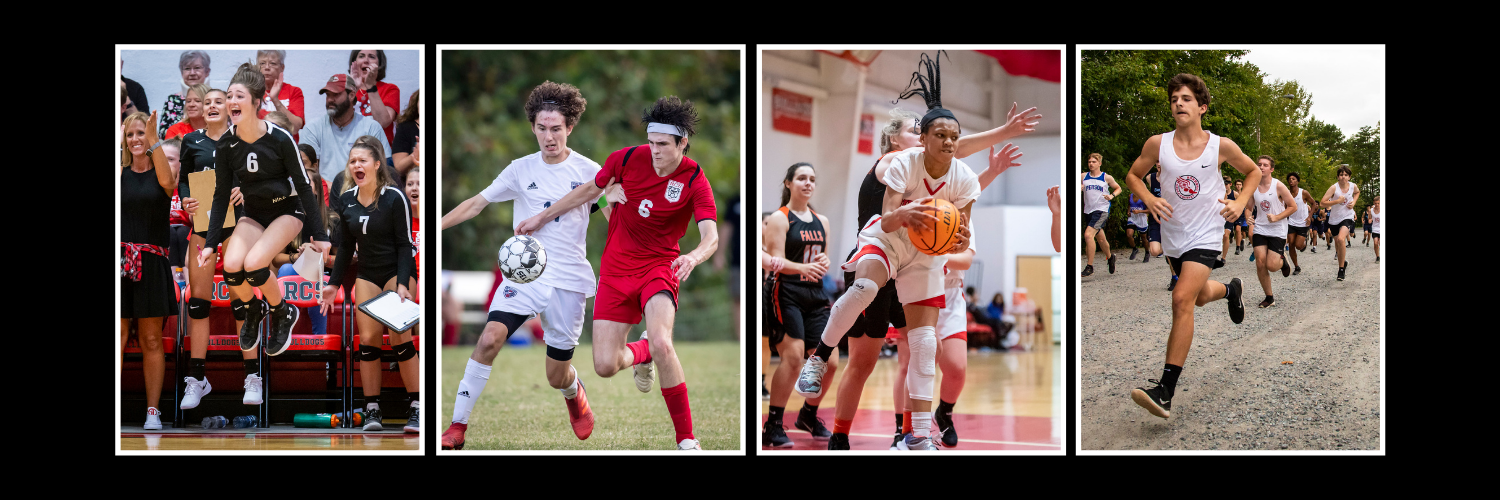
942, 236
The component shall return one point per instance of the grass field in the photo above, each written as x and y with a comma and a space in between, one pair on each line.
519, 411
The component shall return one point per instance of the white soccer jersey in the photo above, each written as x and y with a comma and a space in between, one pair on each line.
1298, 218
1193, 188
535, 185
1266, 204
1093, 193
1339, 212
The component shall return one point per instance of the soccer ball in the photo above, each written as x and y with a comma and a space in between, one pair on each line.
522, 259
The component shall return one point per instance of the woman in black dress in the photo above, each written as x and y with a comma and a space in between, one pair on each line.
146, 185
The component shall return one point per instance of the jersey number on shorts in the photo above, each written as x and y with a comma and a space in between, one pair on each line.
644, 209
250, 163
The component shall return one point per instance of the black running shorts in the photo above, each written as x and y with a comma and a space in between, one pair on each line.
1208, 258
1270, 242
1299, 231
1096, 219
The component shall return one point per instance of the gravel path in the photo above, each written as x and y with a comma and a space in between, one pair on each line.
1237, 390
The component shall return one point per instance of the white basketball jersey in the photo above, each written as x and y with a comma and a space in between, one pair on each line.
1298, 218
1339, 212
1266, 204
1193, 188
1375, 221
1093, 193
908, 175
535, 185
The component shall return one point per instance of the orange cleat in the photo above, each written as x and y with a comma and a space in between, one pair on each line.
453, 438
579, 414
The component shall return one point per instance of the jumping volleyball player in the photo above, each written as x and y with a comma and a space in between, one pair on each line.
1190, 213
265, 161
663, 192
559, 295
1096, 205
1340, 198
1273, 204
885, 252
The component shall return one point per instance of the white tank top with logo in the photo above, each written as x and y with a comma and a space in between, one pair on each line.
1093, 193
1193, 187
1339, 212
1299, 218
1375, 219
1266, 204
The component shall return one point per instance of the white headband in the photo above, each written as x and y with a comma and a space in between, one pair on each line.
665, 129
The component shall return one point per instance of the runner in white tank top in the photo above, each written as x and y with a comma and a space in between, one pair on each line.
1340, 198
1297, 224
1273, 204
1376, 213
1098, 189
1192, 210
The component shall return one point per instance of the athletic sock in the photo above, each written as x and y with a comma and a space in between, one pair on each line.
944, 407
195, 368
372, 401
842, 426
823, 351
906, 422
252, 366
1169, 374
775, 414
571, 391
921, 423
641, 350
469, 388
808, 412
901, 423
677, 407
413, 398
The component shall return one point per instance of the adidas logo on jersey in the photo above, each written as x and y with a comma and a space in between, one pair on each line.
464, 394
532, 186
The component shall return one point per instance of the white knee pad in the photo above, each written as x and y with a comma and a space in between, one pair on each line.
846, 310
919, 373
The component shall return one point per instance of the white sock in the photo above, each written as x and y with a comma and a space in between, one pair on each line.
921, 423
847, 309
571, 391
475, 376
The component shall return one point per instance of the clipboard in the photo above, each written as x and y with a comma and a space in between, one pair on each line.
388, 308
203, 181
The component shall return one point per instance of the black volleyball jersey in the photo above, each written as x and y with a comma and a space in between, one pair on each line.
269, 171
198, 151
804, 241
380, 232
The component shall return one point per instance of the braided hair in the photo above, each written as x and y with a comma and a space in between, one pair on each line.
929, 86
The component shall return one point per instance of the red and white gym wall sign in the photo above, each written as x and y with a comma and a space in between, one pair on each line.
791, 112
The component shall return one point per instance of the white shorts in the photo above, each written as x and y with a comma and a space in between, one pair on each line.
561, 310
919, 277
953, 319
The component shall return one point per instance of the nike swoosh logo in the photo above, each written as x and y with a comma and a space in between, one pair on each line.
351, 206
1166, 401
233, 145
1206, 166
198, 141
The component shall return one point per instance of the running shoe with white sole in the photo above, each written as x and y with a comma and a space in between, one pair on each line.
253, 388
1268, 302
774, 435
372, 419
453, 438
810, 380
896, 443
644, 373
1341, 274
280, 335
255, 311
413, 424
194, 392
1233, 291
914, 443
1088, 271
946, 435
813, 425
689, 444
1297, 270
1154, 399
153, 419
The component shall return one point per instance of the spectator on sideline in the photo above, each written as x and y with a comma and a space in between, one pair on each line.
334, 133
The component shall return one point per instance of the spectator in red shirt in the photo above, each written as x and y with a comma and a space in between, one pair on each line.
280, 96
366, 71
192, 107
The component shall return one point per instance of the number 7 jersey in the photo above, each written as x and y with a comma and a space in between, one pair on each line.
643, 231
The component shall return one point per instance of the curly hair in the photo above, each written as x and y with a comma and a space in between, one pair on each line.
1194, 84
249, 75
563, 98
673, 111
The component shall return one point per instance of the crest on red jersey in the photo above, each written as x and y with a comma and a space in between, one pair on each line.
674, 191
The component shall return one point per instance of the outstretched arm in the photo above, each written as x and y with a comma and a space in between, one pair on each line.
1054, 203
1000, 161
465, 211
585, 193
1016, 124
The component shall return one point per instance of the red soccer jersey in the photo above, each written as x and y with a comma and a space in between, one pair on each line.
644, 231
390, 95
291, 97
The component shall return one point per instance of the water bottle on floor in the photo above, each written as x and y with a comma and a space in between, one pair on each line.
244, 421
215, 422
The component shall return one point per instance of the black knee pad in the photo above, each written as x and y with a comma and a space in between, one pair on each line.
511, 321
559, 354
369, 353
404, 351
198, 308
238, 307
234, 278
258, 277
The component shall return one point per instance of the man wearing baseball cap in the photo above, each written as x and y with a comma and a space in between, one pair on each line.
333, 134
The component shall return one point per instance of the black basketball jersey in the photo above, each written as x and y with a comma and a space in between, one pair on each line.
198, 150
804, 241
269, 171
380, 232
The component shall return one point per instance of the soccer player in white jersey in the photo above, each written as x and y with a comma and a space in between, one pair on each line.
886, 252
1096, 205
1192, 208
1340, 198
1273, 203
535, 182
1297, 223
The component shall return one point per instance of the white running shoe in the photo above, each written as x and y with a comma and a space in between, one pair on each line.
914, 443
689, 445
810, 381
194, 392
153, 419
253, 387
644, 374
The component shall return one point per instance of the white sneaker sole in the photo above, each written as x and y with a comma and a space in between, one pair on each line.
207, 388
296, 314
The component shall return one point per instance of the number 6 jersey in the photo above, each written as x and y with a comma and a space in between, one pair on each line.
643, 231
269, 172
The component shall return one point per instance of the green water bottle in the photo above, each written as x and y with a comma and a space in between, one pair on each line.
316, 421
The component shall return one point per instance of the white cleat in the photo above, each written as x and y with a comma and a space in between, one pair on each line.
194, 392
810, 381
644, 374
253, 386
153, 420
689, 445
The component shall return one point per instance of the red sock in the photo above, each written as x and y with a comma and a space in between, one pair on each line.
677, 407
641, 350
842, 426
906, 422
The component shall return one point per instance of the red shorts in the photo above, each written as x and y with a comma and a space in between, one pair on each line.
622, 298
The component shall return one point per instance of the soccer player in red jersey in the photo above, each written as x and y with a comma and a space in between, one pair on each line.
663, 191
